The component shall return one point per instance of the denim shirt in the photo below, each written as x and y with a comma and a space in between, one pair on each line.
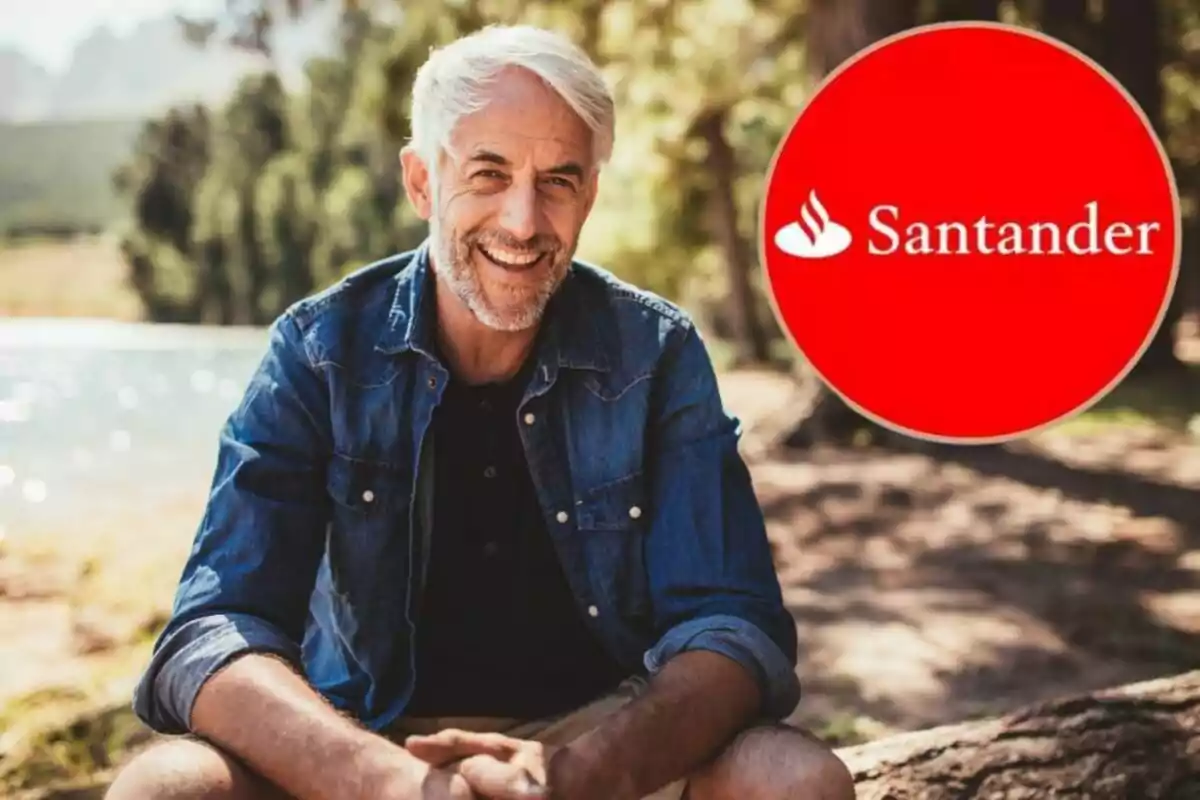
312, 543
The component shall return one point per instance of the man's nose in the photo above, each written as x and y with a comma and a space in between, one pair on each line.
518, 217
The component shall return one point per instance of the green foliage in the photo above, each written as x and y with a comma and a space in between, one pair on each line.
242, 211
273, 196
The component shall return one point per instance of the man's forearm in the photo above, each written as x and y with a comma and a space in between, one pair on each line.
260, 710
693, 707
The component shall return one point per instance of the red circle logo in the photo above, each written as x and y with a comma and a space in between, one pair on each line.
970, 232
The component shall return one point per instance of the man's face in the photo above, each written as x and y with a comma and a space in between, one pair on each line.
512, 194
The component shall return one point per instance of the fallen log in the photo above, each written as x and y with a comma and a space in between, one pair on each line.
1135, 742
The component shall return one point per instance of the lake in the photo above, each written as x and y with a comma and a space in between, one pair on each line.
103, 421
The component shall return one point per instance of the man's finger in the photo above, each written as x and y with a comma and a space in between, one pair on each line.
498, 780
452, 744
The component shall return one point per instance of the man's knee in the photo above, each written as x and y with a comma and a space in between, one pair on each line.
186, 769
775, 762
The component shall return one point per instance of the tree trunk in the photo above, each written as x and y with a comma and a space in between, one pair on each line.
968, 10
1139, 741
749, 331
837, 30
1132, 49
1068, 21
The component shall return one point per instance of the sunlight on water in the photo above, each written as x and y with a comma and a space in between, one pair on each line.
34, 491
98, 415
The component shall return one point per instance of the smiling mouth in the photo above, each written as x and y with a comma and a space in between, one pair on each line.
512, 260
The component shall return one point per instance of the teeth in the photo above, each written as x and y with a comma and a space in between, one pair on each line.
511, 258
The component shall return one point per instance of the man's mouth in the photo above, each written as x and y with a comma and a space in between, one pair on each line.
514, 260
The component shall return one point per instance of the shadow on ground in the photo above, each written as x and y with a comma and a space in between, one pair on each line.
937, 584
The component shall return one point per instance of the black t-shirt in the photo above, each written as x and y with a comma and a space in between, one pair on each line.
499, 632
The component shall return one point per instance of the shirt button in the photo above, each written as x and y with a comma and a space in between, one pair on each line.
368, 496
529, 418
635, 512
490, 549
432, 381
562, 516
489, 472
593, 611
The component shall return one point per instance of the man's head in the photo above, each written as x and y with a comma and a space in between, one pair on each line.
510, 126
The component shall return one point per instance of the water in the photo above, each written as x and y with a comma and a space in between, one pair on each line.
100, 418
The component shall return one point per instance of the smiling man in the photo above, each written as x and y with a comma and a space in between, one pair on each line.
479, 527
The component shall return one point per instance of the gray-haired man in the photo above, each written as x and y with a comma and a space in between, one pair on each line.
479, 526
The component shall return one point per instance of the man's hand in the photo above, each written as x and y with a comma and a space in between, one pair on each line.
496, 766
500, 767
429, 783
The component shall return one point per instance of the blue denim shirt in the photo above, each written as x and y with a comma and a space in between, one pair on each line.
311, 544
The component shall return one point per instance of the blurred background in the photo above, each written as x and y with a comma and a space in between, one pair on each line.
173, 176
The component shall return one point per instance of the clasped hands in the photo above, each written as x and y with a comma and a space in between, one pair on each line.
497, 767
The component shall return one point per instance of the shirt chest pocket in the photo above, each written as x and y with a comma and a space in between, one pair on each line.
369, 526
367, 488
618, 505
613, 520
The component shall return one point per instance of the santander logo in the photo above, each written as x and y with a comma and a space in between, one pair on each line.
993, 267
818, 237
815, 235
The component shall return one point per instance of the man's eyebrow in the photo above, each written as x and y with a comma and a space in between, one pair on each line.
571, 168
489, 157
568, 168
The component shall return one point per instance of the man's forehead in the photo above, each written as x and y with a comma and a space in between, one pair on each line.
516, 140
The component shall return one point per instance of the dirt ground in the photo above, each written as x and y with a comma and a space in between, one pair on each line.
934, 587
928, 587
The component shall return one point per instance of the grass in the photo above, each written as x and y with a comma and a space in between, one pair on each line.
83, 278
65, 728
1169, 402
73, 755
67, 736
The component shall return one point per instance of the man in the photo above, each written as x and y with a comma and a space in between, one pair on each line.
479, 526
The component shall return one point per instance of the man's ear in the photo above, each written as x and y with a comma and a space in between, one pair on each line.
417, 184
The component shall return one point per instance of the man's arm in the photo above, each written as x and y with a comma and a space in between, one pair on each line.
727, 652
693, 707
227, 667
260, 709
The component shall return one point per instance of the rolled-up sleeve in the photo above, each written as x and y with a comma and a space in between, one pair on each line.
248, 579
712, 576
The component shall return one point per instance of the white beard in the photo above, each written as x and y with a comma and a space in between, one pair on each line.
454, 264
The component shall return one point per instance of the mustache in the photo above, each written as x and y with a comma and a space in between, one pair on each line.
538, 243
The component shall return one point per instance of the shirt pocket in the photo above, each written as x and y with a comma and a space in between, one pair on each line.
367, 488
368, 539
612, 522
618, 505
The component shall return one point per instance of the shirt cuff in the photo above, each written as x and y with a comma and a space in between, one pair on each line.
191, 654
743, 642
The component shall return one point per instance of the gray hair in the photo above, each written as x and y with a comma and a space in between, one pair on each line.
453, 83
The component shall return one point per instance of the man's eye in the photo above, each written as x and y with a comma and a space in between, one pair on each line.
565, 183
489, 173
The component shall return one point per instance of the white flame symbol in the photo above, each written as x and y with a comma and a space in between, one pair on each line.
813, 237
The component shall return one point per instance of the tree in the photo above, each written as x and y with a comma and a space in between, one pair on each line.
1131, 47
837, 29
169, 161
1128, 38
1138, 741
